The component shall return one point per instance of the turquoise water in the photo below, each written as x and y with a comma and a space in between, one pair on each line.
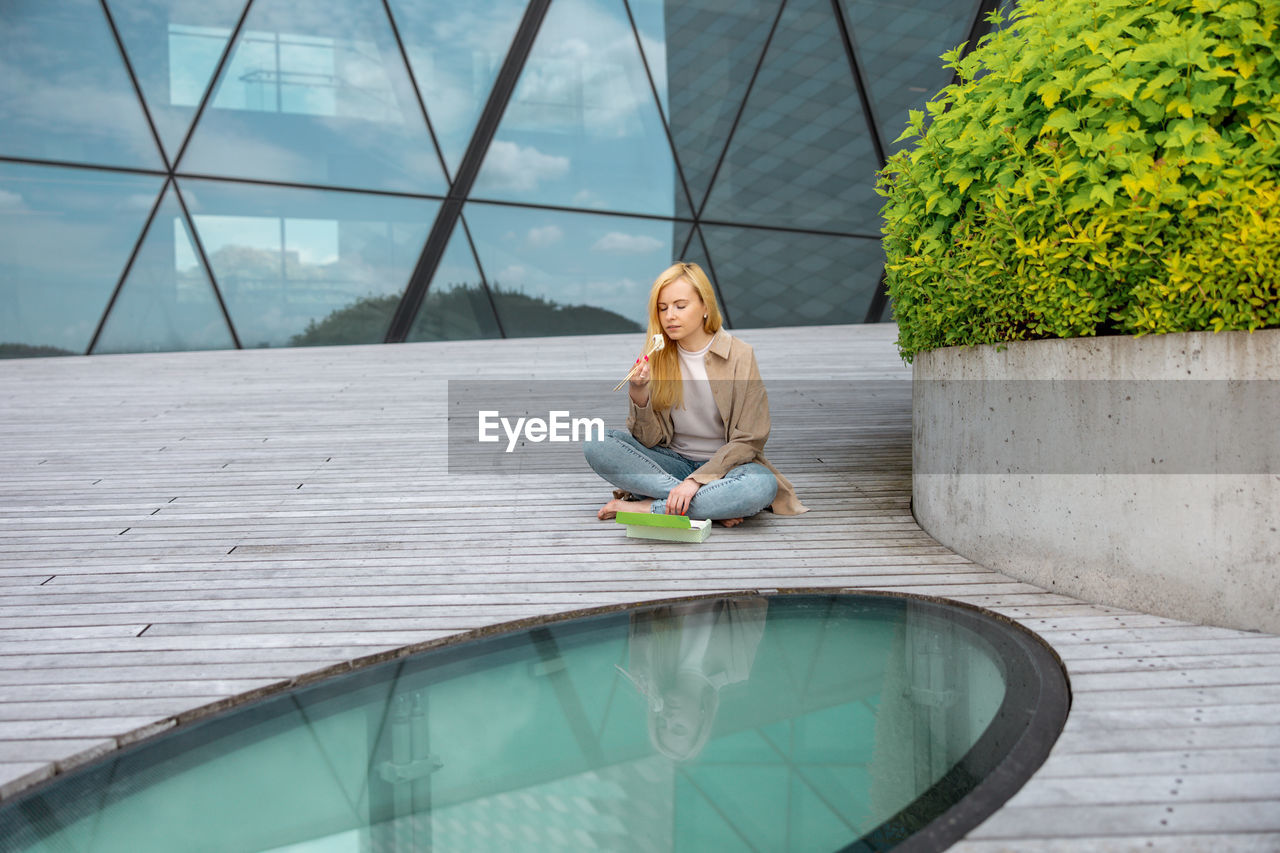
757, 723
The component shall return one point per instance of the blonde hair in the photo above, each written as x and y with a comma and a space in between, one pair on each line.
665, 391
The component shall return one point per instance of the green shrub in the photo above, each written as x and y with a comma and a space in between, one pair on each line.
1103, 166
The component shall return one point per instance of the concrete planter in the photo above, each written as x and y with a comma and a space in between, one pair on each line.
1137, 472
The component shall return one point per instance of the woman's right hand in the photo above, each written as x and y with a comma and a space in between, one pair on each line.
639, 389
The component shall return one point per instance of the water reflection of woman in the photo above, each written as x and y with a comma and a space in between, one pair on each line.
682, 655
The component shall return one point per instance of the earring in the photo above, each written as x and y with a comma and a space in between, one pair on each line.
704, 317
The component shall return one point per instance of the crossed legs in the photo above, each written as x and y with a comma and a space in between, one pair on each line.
652, 472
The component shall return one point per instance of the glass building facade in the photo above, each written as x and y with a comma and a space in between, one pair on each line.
203, 174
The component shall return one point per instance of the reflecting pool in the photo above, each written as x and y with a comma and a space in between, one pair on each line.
753, 722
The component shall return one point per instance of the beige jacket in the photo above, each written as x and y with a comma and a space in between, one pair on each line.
744, 407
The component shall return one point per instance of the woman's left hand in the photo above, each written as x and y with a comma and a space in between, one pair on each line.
679, 498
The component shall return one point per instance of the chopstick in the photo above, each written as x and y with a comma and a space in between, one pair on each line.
655, 343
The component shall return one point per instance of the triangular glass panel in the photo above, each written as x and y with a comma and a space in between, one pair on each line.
561, 273
65, 89
65, 237
696, 252
689, 247
302, 267
707, 51
457, 305
817, 819
752, 798
846, 790
650, 17
682, 243
288, 800
582, 129
167, 302
782, 278
702, 822
316, 94
174, 47
898, 46
802, 155
335, 730
455, 49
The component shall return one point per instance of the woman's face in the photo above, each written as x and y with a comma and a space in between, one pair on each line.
680, 719
680, 310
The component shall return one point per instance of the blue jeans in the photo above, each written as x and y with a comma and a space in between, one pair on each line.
654, 471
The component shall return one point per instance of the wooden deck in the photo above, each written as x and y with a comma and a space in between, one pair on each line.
180, 529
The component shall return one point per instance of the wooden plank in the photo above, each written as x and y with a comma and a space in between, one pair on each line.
1249, 694
1212, 842
52, 659
1092, 820
1265, 736
31, 750
1171, 762
1157, 679
1176, 662
160, 672
79, 708
139, 686
1085, 720
1164, 647
135, 728
1151, 789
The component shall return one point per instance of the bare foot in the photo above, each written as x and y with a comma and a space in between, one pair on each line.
615, 506
731, 522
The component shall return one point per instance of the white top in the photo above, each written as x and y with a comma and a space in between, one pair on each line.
695, 639
699, 429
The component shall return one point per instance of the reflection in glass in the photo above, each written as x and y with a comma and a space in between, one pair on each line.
556, 273
457, 305
65, 92
831, 715
65, 237
681, 656
712, 49
167, 302
650, 20
582, 128
682, 244
898, 47
456, 48
174, 47
301, 267
801, 156
697, 253
776, 278
317, 94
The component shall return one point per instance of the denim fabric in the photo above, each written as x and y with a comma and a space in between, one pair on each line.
654, 471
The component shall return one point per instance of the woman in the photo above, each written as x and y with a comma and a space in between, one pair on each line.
698, 421
682, 655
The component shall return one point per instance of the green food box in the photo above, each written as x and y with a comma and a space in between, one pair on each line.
672, 528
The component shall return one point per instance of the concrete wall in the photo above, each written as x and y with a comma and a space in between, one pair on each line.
1064, 464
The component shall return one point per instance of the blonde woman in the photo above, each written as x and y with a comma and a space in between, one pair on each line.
698, 420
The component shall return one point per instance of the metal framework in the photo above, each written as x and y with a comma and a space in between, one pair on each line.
449, 217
